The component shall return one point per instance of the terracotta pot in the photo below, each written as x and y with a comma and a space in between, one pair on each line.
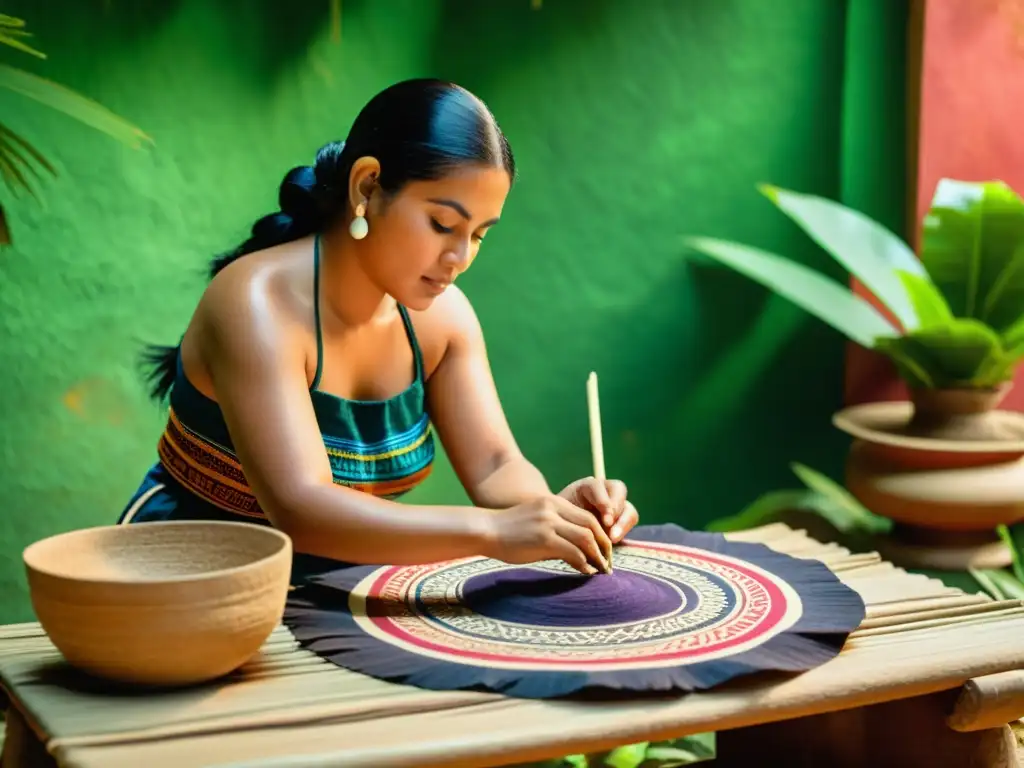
162, 604
959, 414
946, 467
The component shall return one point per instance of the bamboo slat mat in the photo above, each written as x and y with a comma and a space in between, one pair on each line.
289, 708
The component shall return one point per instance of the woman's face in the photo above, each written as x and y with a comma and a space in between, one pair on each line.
428, 234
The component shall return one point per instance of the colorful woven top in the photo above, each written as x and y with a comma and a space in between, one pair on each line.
383, 447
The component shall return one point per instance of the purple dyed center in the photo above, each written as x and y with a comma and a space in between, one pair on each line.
529, 596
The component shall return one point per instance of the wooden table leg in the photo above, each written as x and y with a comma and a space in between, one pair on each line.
897, 734
22, 748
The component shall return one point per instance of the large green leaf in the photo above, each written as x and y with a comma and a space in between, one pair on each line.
908, 368
1014, 335
972, 241
822, 497
764, 509
864, 247
849, 514
823, 297
929, 304
70, 103
960, 353
1004, 365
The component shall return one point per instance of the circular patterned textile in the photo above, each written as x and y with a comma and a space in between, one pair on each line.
682, 610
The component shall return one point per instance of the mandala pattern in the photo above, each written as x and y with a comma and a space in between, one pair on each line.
682, 610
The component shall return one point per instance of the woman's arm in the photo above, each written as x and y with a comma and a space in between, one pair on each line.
465, 408
467, 413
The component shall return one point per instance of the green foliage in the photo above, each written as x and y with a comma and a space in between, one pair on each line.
962, 352
823, 297
656, 754
959, 309
22, 165
821, 496
1013, 538
1002, 584
973, 248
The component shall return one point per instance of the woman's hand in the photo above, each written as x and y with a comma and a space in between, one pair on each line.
607, 502
550, 528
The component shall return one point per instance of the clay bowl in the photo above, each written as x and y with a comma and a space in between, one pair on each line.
160, 604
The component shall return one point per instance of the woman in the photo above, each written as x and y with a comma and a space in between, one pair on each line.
320, 361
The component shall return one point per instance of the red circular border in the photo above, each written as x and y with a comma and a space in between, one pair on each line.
776, 613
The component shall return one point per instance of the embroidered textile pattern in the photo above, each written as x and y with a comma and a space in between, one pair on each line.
682, 610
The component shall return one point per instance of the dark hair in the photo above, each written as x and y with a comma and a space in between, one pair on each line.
418, 130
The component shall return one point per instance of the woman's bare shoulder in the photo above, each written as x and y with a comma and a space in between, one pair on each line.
255, 309
449, 321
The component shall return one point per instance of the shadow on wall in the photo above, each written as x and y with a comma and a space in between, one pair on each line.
269, 36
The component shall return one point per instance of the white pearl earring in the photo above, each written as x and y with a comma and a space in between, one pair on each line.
359, 227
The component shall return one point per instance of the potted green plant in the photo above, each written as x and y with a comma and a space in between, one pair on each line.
958, 309
947, 460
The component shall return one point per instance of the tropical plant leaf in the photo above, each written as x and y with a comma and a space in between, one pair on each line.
821, 296
929, 303
1013, 538
971, 246
629, 756
987, 583
13, 176
1007, 286
764, 509
678, 752
1002, 366
961, 353
12, 23
5, 230
70, 103
909, 369
1008, 585
18, 159
854, 515
822, 497
13, 32
862, 246
672, 757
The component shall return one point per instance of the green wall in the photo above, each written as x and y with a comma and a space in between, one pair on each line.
633, 123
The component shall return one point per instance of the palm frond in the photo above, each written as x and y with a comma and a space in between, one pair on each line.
70, 103
12, 32
17, 158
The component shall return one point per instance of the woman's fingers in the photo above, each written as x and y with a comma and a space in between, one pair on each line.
563, 549
624, 523
585, 519
607, 499
583, 539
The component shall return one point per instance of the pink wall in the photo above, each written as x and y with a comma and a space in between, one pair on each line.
967, 122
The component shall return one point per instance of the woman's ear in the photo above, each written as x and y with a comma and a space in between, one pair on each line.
362, 181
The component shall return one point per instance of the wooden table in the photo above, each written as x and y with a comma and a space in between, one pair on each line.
929, 679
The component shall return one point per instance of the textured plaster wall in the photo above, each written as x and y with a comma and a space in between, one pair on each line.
634, 123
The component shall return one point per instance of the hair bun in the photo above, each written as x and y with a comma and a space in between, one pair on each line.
297, 196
